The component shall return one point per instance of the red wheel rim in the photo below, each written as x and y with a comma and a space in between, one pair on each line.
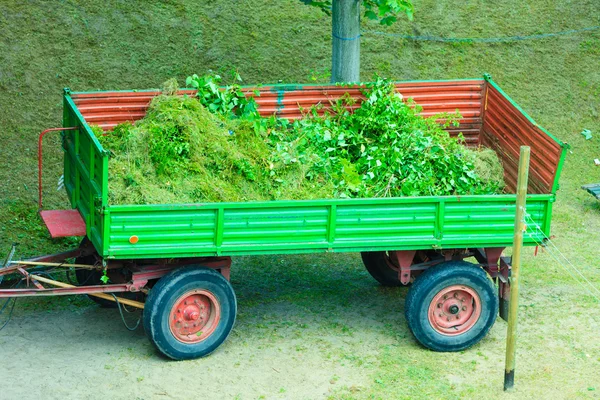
454, 310
194, 316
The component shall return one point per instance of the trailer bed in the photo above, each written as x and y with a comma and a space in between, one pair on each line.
490, 118
173, 260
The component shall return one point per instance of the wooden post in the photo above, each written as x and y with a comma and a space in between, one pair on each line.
345, 26
511, 337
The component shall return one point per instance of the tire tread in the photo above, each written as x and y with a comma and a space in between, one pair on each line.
425, 283
159, 297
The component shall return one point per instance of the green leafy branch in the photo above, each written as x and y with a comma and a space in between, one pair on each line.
385, 11
229, 101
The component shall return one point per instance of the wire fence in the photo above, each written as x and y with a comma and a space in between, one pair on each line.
534, 231
505, 39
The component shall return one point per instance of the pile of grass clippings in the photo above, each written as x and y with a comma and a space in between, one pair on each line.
183, 153
487, 167
385, 148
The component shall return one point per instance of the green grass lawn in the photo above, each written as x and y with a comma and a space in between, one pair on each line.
103, 45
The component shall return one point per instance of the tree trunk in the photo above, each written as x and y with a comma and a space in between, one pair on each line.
346, 41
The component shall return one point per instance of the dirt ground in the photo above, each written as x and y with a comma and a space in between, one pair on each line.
330, 335
88, 352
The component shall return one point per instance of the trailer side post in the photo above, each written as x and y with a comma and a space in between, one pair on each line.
511, 337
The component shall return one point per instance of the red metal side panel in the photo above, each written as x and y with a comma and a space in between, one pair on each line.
505, 129
107, 109
287, 101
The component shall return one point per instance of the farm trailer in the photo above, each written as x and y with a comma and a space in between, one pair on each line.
176, 257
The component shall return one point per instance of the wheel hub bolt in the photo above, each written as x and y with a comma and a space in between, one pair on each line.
453, 309
191, 313
464, 308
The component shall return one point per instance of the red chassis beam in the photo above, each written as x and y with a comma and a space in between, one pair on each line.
29, 292
409, 263
141, 272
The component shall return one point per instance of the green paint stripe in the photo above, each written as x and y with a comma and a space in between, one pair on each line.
219, 228
559, 168
331, 224
105, 232
83, 123
124, 91
439, 226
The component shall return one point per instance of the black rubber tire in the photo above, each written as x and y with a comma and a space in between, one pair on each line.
430, 283
87, 277
377, 266
162, 298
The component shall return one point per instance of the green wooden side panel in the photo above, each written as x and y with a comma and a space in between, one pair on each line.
319, 226
85, 173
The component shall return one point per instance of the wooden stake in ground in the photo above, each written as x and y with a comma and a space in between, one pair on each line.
511, 337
